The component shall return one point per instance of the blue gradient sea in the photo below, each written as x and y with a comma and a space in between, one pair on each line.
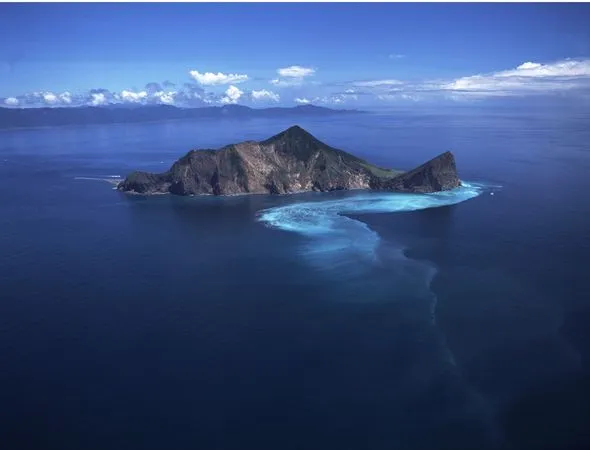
349, 320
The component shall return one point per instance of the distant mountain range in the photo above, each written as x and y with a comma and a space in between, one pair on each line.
83, 115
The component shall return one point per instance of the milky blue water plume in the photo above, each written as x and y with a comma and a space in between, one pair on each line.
335, 239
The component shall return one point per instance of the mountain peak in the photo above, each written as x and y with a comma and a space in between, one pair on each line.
445, 160
291, 161
294, 133
295, 130
438, 174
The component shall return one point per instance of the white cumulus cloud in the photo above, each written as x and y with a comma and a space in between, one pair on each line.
232, 95
292, 76
98, 99
528, 65
50, 98
166, 98
66, 97
215, 79
11, 101
264, 95
134, 97
567, 68
302, 101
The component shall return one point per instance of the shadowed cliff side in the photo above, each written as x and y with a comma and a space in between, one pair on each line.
438, 174
291, 161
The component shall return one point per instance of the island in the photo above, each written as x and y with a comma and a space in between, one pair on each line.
290, 162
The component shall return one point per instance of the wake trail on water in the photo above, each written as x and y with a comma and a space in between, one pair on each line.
335, 240
351, 251
111, 179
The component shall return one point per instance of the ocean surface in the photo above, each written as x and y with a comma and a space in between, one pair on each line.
349, 320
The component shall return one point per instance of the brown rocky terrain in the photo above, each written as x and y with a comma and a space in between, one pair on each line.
289, 162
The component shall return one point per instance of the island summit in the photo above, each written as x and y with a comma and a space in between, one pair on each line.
290, 162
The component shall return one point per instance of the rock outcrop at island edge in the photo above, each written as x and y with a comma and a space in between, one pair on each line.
438, 174
289, 162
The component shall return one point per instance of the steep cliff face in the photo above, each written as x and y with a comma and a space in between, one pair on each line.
438, 174
291, 161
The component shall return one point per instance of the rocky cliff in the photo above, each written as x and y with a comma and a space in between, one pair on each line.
438, 174
291, 161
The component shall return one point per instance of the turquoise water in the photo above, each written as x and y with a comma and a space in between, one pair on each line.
339, 320
336, 238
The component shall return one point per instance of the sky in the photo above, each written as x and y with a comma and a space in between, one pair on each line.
329, 54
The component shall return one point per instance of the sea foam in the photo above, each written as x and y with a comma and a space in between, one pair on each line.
335, 239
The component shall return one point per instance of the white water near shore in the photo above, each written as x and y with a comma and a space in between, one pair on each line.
335, 238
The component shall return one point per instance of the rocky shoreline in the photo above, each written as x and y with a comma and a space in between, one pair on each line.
290, 162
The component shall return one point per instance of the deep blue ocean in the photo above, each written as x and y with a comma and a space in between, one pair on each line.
316, 321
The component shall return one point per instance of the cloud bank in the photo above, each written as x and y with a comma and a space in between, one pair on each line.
188, 95
564, 77
568, 78
527, 78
